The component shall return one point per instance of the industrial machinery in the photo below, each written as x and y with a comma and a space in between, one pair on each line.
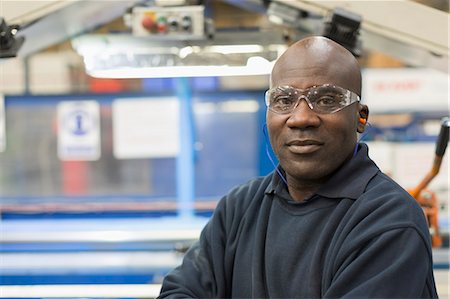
426, 198
178, 21
9, 44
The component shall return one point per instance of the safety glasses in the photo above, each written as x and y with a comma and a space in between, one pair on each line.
325, 98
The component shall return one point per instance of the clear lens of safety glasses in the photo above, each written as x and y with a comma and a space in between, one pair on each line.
321, 99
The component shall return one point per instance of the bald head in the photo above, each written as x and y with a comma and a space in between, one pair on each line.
317, 60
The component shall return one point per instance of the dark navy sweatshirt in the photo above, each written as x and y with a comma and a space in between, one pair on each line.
360, 236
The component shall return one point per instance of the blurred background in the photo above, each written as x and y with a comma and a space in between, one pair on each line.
122, 123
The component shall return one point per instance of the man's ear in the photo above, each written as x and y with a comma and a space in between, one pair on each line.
363, 118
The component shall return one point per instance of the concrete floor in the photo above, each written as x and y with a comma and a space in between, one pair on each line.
442, 278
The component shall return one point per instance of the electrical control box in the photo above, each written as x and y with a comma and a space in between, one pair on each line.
174, 21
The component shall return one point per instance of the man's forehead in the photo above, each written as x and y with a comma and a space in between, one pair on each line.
302, 77
302, 69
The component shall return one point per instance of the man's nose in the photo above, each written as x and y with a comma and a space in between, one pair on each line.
303, 116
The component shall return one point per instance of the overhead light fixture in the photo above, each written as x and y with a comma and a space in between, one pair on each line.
254, 66
126, 56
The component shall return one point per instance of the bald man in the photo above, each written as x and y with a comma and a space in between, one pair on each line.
326, 223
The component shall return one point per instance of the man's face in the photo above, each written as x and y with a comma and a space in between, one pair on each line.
311, 146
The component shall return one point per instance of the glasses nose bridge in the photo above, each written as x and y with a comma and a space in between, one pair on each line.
299, 99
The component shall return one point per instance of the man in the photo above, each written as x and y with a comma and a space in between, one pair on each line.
327, 223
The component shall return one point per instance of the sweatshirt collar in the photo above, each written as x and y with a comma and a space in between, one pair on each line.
349, 181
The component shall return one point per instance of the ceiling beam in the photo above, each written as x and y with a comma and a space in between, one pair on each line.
409, 31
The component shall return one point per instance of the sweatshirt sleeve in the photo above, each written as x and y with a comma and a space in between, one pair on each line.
200, 274
393, 264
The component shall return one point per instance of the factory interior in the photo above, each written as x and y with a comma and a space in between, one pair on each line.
99, 203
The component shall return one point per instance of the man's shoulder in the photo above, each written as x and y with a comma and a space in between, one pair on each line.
391, 203
384, 207
384, 189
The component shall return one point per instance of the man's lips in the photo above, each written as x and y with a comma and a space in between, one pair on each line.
304, 142
304, 146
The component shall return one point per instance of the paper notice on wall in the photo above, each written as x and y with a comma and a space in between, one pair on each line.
79, 130
146, 128
2, 124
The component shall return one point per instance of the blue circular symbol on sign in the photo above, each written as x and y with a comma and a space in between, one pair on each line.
78, 123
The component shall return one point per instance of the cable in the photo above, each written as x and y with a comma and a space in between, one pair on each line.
369, 126
266, 137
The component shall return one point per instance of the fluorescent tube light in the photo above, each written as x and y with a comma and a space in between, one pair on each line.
255, 66
108, 56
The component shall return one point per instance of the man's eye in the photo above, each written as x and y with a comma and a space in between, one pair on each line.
283, 100
328, 100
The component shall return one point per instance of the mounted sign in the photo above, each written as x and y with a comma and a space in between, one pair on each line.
405, 90
79, 130
146, 128
2, 124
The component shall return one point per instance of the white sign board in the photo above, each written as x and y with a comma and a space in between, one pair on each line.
79, 130
405, 89
2, 124
146, 128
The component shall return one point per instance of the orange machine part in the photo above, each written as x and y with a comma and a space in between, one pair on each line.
430, 205
429, 202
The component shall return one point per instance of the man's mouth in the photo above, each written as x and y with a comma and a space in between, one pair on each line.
304, 146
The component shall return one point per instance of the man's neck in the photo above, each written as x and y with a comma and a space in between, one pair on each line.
301, 190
